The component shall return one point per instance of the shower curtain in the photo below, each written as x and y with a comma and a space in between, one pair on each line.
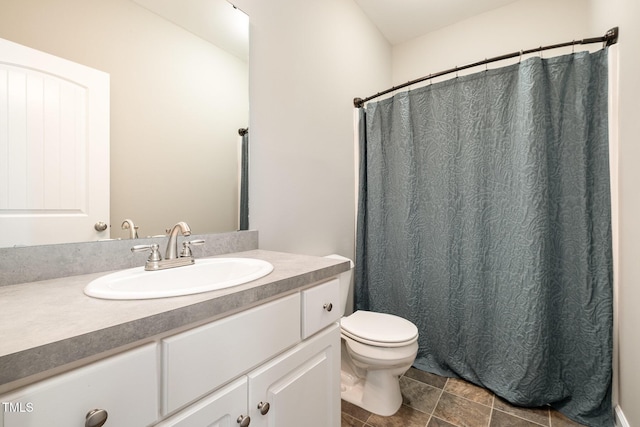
484, 218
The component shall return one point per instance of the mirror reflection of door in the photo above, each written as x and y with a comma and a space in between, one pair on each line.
177, 99
54, 125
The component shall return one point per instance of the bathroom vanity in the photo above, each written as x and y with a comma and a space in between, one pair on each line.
266, 353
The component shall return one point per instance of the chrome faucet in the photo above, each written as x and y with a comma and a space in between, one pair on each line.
127, 224
171, 259
172, 244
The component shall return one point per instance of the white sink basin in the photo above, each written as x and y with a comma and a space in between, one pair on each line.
203, 276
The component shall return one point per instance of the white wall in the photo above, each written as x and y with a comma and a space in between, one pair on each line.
626, 15
309, 59
518, 26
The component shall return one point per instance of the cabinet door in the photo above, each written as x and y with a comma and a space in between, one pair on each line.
125, 386
302, 386
221, 409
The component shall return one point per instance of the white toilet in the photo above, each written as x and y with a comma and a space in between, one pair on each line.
377, 349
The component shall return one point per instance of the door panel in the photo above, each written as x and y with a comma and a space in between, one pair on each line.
54, 140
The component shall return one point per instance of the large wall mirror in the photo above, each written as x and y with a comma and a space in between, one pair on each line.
178, 96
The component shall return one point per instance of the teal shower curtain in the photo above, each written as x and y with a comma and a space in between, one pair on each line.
484, 218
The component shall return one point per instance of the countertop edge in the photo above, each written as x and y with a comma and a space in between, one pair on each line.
16, 369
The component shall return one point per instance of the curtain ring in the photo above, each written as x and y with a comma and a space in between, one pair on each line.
520, 60
486, 65
456, 71
540, 51
573, 46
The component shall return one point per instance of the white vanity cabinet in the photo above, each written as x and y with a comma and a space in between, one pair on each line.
299, 386
276, 364
125, 386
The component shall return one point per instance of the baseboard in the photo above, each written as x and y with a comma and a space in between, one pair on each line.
621, 421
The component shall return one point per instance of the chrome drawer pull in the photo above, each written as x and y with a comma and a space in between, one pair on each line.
244, 420
96, 418
263, 407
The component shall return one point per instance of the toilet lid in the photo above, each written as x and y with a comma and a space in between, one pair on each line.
378, 328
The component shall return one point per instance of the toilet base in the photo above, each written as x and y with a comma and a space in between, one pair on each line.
379, 393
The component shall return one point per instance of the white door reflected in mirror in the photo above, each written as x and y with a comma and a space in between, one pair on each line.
55, 187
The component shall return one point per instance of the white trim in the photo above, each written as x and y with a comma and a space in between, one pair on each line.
614, 150
621, 421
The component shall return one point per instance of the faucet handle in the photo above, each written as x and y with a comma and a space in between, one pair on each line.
186, 247
155, 253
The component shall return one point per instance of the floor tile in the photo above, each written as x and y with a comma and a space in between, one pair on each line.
349, 421
437, 422
462, 412
469, 391
559, 420
405, 417
355, 411
419, 395
537, 415
502, 419
426, 377
433, 401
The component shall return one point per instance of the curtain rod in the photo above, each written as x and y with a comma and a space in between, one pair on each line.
611, 37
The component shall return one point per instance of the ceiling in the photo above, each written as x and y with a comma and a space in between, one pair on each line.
398, 20
216, 21
402, 20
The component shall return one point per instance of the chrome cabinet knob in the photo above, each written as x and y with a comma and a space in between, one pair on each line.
96, 418
328, 306
244, 420
264, 407
100, 226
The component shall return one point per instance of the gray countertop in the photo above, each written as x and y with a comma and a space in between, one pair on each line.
47, 325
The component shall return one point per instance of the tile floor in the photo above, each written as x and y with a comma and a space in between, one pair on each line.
433, 401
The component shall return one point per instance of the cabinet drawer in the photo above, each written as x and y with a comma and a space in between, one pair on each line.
198, 361
320, 307
125, 386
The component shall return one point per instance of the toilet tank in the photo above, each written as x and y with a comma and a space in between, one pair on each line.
346, 279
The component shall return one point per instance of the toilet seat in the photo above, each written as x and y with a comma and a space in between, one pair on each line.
379, 329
